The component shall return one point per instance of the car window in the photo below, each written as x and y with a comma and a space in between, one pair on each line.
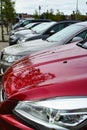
55, 29
83, 35
62, 25
68, 23
26, 22
58, 27
65, 33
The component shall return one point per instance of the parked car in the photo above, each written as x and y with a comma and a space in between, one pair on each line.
74, 32
24, 22
42, 30
14, 38
28, 26
46, 91
46, 33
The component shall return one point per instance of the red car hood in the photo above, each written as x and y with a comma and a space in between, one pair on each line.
58, 72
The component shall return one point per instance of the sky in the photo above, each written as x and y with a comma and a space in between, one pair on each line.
65, 6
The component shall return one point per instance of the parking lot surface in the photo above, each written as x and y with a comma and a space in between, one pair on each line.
3, 45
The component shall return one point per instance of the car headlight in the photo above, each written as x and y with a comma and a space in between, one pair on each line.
56, 114
10, 58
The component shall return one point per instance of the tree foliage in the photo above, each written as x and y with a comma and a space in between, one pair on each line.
58, 16
9, 13
49, 14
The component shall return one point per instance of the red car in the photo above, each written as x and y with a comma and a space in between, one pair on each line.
47, 91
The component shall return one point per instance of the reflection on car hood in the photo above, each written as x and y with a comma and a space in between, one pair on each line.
63, 70
32, 34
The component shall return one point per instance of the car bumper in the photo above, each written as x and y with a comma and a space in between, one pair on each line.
8, 122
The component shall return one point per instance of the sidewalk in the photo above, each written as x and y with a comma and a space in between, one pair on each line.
5, 35
3, 45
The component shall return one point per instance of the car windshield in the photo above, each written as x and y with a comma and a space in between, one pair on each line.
65, 33
41, 27
30, 25
26, 22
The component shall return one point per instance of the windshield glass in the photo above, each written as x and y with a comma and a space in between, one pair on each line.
30, 25
41, 27
26, 22
65, 33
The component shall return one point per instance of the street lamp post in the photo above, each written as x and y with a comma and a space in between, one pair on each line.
76, 9
39, 9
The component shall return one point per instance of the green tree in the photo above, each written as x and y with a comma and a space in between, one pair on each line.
36, 15
59, 16
78, 16
9, 13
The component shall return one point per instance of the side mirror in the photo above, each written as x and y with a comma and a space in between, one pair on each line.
76, 39
52, 32
85, 45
